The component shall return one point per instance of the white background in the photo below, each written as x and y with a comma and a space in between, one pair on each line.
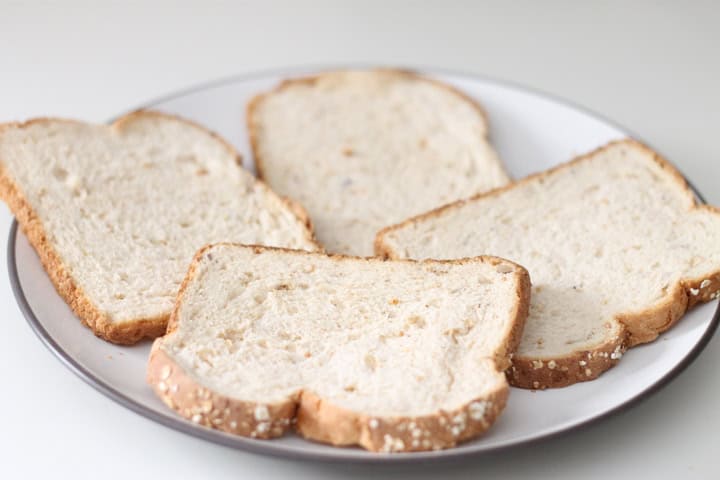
654, 67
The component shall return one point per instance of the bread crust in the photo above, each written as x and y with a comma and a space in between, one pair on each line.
635, 328
122, 333
318, 419
126, 332
311, 79
201, 405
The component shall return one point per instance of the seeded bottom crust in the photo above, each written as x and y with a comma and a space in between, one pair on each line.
324, 422
637, 328
200, 405
317, 419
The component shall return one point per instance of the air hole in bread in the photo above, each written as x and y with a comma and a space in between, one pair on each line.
59, 173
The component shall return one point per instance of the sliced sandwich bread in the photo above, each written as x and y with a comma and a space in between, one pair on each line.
117, 212
615, 242
361, 150
391, 356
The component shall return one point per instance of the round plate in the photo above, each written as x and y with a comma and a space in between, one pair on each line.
531, 131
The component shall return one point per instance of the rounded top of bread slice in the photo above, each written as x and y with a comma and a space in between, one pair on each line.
117, 212
365, 149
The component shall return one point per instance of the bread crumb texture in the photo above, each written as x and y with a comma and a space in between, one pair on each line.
117, 212
614, 241
375, 147
391, 356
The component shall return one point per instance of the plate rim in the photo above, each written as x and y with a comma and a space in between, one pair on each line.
268, 448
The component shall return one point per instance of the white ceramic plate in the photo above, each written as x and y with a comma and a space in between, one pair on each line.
531, 132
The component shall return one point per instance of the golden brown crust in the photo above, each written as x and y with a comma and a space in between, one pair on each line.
506, 352
120, 122
320, 420
302, 215
312, 79
122, 333
194, 263
253, 132
383, 250
126, 332
579, 366
317, 419
201, 405
519, 271
635, 327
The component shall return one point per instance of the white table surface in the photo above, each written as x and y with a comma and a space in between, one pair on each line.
651, 66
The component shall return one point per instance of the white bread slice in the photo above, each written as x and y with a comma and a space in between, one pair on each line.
617, 247
392, 356
361, 150
117, 212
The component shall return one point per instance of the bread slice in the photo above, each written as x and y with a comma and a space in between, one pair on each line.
392, 356
617, 247
117, 212
361, 150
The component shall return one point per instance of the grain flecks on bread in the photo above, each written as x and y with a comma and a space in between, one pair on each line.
117, 212
392, 356
361, 150
615, 242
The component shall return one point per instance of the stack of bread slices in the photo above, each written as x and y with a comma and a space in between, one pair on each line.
373, 287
